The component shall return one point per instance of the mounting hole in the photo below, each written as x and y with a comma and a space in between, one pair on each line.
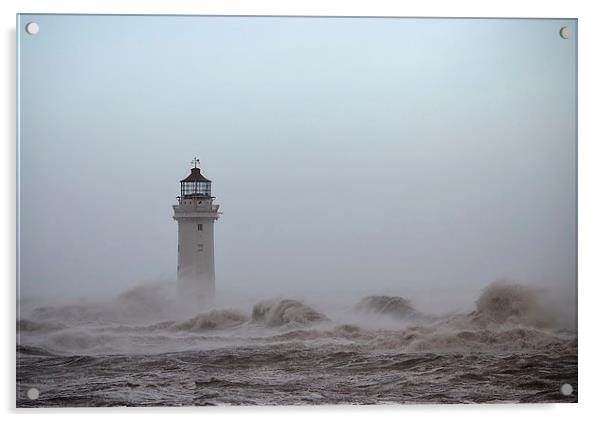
33, 393
566, 389
565, 32
32, 28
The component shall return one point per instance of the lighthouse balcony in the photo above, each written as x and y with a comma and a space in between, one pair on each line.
195, 209
197, 206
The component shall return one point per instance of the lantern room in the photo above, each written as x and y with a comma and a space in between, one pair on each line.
195, 185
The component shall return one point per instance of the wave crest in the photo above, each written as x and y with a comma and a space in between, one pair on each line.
513, 339
394, 306
505, 302
213, 320
278, 312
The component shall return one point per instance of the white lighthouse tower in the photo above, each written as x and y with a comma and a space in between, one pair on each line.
195, 213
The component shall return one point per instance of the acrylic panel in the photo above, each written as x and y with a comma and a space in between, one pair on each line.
238, 210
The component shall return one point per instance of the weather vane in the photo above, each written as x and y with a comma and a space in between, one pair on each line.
195, 162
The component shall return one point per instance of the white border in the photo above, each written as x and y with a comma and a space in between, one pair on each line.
590, 194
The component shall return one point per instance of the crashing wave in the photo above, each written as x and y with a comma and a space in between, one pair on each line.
507, 317
504, 302
340, 332
277, 312
394, 306
515, 339
213, 320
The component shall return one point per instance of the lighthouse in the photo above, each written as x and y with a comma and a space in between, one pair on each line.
195, 214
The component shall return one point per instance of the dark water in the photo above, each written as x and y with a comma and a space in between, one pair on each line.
293, 374
284, 353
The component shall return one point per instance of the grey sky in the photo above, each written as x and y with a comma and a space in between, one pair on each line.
343, 152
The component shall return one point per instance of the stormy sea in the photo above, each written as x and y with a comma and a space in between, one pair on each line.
141, 350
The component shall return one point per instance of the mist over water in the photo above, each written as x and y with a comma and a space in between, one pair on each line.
233, 343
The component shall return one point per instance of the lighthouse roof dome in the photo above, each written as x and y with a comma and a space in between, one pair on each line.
195, 176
